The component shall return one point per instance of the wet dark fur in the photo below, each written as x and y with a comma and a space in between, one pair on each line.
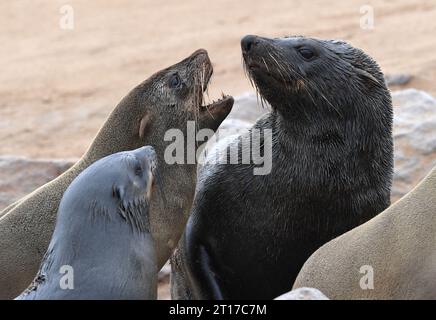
331, 118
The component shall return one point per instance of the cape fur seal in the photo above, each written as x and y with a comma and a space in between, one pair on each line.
332, 157
392, 256
102, 234
166, 100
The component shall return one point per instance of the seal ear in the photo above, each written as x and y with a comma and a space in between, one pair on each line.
367, 77
144, 125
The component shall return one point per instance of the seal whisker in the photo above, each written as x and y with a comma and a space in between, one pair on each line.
327, 100
298, 75
247, 73
133, 214
279, 69
314, 87
264, 62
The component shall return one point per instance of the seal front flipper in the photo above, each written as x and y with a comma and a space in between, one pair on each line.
195, 270
202, 274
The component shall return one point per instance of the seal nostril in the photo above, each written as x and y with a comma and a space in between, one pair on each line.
248, 42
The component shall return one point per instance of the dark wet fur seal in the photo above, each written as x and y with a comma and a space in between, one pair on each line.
103, 233
331, 120
166, 100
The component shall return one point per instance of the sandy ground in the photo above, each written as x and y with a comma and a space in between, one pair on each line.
57, 86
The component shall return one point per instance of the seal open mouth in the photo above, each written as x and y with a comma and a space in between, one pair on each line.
224, 102
209, 114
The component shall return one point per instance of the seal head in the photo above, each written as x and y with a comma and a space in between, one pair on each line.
310, 68
101, 247
179, 91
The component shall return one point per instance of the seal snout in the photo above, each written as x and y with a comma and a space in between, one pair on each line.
217, 108
251, 51
200, 60
148, 154
200, 52
248, 42
201, 57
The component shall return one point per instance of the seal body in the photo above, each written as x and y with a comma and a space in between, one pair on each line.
249, 235
168, 100
101, 246
392, 256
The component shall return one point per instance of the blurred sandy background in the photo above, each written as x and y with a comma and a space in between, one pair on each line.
57, 86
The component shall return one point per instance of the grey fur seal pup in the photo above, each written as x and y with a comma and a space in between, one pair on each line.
392, 256
102, 234
167, 100
332, 157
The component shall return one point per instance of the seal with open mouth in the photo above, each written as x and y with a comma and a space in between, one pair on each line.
332, 157
167, 100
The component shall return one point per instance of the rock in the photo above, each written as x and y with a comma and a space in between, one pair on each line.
247, 109
244, 114
164, 273
397, 79
163, 286
414, 139
20, 176
303, 294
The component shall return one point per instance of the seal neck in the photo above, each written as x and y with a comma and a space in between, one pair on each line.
119, 132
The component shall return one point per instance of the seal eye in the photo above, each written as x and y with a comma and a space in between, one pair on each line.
306, 53
138, 170
175, 81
